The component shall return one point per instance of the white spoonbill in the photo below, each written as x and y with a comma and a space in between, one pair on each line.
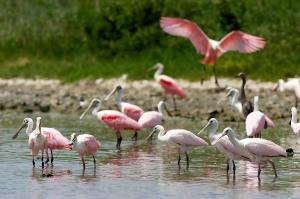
260, 150
294, 124
211, 49
85, 144
292, 85
224, 145
183, 139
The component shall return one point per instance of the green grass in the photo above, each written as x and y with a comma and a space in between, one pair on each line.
73, 39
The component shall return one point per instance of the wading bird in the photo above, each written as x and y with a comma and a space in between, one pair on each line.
113, 119
131, 110
257, 121
224, 145
170, 86
260, 150
55, 140
292, 85
183, 139
211, 49
233, 96
295, 126
247, 106
85, 144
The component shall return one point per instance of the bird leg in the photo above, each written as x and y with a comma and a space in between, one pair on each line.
94, 161
274, 169
47, 157
174, 102
227, 166
179, 158
259, 170
51, 156
83, 163
187, 160
215, 75
33, 162
233, 166
119, 140
134, 137
43, 158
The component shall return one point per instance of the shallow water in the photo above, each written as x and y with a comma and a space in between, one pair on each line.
139, 169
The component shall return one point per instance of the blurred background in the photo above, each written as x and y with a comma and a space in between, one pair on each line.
87, 39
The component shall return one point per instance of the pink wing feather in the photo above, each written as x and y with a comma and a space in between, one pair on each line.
187, 29
171, 86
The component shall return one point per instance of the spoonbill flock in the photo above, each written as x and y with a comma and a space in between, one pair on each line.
131, 117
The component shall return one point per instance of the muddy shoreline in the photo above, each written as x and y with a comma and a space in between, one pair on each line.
204, 101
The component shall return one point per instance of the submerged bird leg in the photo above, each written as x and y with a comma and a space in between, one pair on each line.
33, 162
83, 163
51, 156
274, 169
179, 158
215, 75
174, 102
94, 161
233, 166
259, 170
134, 137
296, 101
227, 168
43, 158
119, 140
187, 160
47, 157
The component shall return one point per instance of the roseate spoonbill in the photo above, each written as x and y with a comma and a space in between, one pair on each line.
247, 105
233, 95
55, 140
131, 110
113, 119
211, 49
183, 139
292, 85
36, 141
85, 144
260, 150
257, 121
169, 85
224, 145
152, 118
295, 126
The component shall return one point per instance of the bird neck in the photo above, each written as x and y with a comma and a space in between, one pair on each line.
38, 127
235, 141
212, 130
160, 108
234, 98
158, 72
96, 110
29, 128
255, 104
118, 98
161, 135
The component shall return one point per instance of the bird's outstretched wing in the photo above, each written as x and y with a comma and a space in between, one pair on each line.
187, 29
242, 42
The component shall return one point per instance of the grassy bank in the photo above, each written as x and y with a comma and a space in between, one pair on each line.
76, 39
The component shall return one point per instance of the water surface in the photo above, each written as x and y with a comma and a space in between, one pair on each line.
139, 169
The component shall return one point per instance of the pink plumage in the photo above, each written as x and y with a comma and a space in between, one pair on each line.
55, 140
132, 111
170, 86
233, 41
270, 123
90, 145
150, 119
117, 120
255, 123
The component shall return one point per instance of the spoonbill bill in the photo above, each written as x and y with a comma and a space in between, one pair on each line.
211, 49
131, 110
113, 119
294, 124
85, 144
292, 85
183, 139
55, 140
260, 150
170, 86
247, 106
257, 121
224, 145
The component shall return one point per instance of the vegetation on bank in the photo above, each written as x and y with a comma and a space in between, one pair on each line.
75, 39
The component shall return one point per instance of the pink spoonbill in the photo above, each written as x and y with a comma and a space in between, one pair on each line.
170, 86
85, 144
260, 150
294, 124
292, 85
211, 49
113, 119
55, 140
183, 139
131, 110
224, 145
257, 121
